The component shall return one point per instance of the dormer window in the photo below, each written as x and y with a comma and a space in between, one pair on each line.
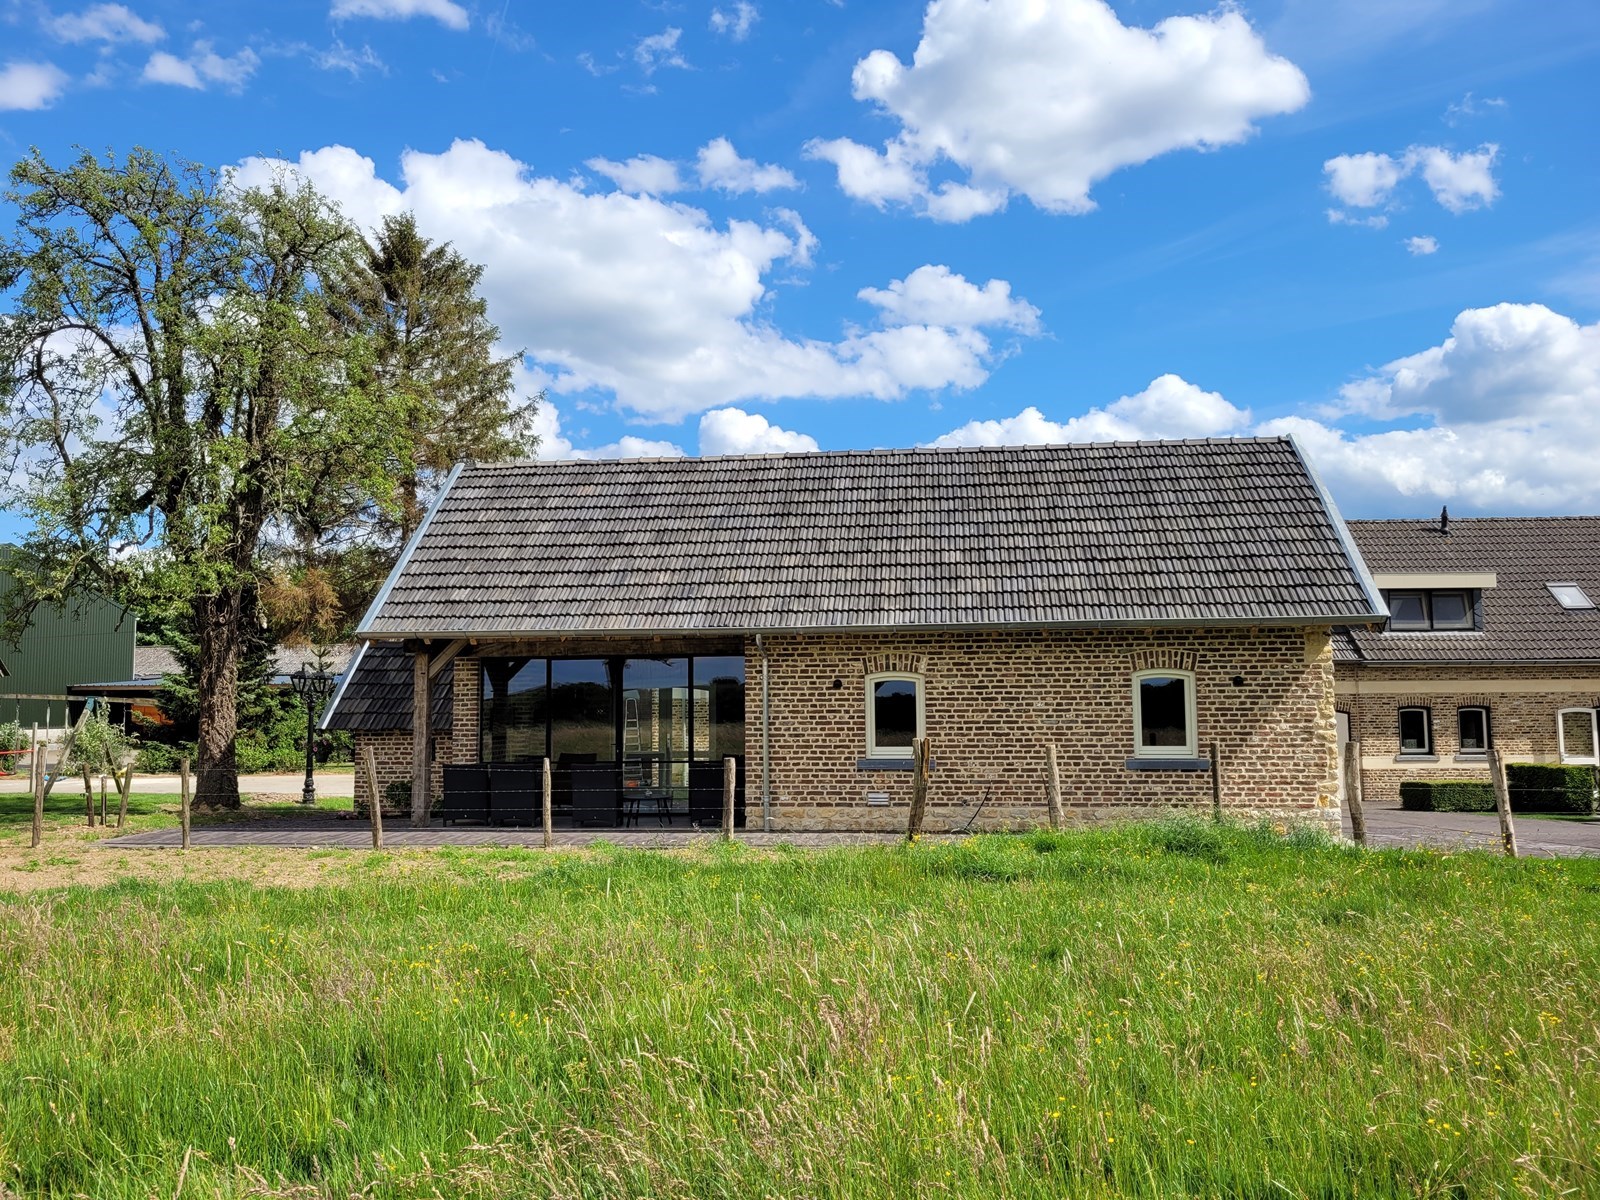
1432, 609
1570, 595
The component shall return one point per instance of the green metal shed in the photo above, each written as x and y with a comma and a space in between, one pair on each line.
87, 640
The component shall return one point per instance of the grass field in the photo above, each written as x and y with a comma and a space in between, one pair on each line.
1158, 1010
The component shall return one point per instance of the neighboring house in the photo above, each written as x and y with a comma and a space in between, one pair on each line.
137, 693
1493, 639
810, 615
91, 638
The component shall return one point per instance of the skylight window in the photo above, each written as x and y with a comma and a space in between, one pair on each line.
1570, 595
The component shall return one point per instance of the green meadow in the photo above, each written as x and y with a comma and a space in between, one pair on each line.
1167, 1009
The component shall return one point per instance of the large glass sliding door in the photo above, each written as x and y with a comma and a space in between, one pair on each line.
646, 719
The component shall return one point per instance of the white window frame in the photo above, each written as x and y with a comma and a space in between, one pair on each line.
1488, 732
1427, 728
1191, 746
1561, 736
873, 749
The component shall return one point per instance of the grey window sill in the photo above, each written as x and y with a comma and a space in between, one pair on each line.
891, 764
1482, 759
1402, 758
1169, 764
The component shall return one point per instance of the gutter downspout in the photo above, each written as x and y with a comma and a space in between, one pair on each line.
766, 739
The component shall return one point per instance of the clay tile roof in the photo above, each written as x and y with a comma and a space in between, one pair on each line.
1521, 620
1183, 532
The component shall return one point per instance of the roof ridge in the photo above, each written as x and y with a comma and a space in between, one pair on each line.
1454, 521
883, 450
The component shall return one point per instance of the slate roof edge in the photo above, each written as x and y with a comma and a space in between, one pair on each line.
344, 682
1352, 552
1293, 621
1474, 662
405, 555
591, 463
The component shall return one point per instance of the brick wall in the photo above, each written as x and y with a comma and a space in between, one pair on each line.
392, 752
994, 700
1522, 703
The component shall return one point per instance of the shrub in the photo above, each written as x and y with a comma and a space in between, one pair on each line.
1551, 788
159, 758
100, 745
398, 795
1447, 795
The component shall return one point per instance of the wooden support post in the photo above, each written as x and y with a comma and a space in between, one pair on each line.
125, 787
1502, 802
1352, 791
374, 801
421, 727
183, 799
38, 774
1054, 782
1216, 783
547, 789
88, 794
730, 776
919, 788
102, 799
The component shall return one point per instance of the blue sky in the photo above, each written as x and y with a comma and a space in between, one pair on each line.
723, 227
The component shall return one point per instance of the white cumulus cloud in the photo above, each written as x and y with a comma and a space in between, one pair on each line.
1045, 100
735, 22
1459, 181
1171, 407
203, 67
104, 23
734, 431
643, 173
446, 12
652, 301
1422, 245
659, 50
30, 86
719, 166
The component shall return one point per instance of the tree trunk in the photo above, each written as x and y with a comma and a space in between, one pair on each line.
217, 692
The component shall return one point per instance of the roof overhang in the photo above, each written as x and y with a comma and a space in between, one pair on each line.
1431, 580
1240, 622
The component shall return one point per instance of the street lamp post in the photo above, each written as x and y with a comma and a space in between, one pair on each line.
313, 686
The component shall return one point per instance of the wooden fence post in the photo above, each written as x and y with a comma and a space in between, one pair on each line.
1502, 802
126, 787
1054, 792
547, 789
374, 801
1216, 783
919, 788
37, 776
88, 792
730, 775
1352, 791
183, 799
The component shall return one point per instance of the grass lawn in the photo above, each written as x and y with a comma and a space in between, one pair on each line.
1159, 1010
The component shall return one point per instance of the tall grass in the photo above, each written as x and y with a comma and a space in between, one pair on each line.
1161, 1010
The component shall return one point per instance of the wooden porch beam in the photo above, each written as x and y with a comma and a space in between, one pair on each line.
421, 732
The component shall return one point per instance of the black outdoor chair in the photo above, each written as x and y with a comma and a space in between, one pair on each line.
705, 793
515, 792
466, 793
596, 803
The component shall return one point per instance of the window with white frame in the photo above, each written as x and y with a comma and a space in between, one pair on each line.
1164, 715
1575, 729
894, 715
1472, 730
1416, 731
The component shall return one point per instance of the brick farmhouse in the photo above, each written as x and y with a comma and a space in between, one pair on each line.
1493, 640
1161, 613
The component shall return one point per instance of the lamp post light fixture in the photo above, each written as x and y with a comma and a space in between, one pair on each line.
313, 685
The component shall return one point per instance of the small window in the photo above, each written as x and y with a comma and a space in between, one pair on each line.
1451, 610
1570, 595
1163, 715
1472, 726
894, 715
1416, 731
1408, 610
1576, 730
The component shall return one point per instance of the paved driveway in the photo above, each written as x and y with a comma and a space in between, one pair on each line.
1390, 825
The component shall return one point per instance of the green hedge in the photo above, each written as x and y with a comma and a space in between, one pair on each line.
1550, 788
1447, 795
